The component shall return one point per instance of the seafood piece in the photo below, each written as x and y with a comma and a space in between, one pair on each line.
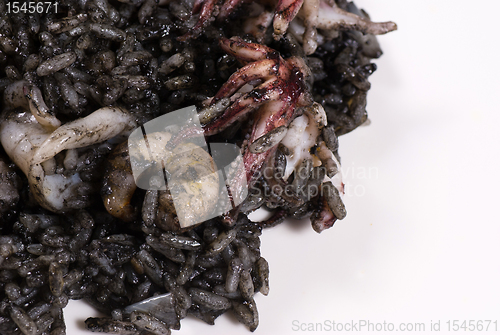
323, 217
315, 14
39, 109
192, 180
14, 96
301, 139
21, 135
328, 16
29, 97
285, 12
33, 147
257, 26
101, 125
275, 102
310, 10
332, 17
119, 184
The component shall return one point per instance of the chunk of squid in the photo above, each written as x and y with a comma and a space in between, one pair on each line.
33, 147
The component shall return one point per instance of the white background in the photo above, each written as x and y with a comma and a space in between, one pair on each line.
421, 239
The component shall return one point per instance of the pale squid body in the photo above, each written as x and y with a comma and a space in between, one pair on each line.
302, 135
33, 147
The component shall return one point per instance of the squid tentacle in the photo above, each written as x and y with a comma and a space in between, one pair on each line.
246, 52
247, 103
285, 11
263, 70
